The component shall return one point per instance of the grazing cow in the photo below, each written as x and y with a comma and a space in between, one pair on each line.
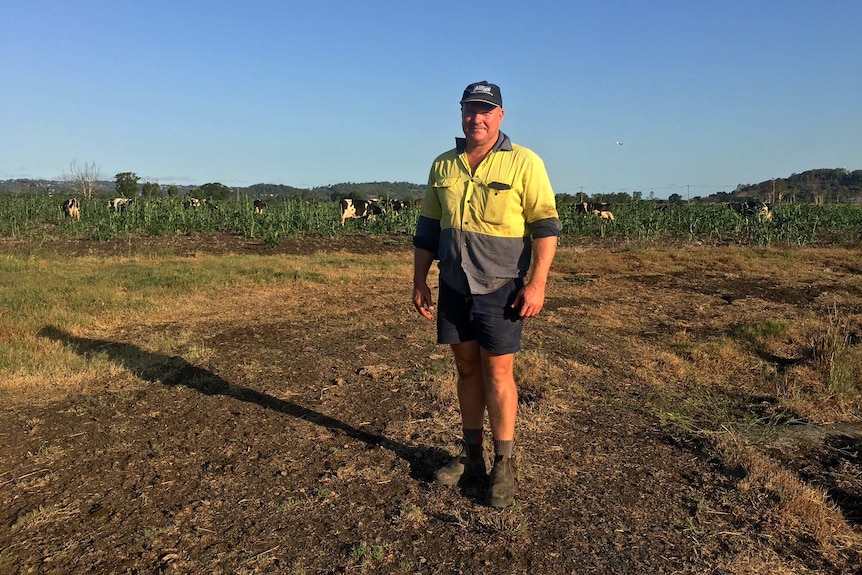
751, 207
72, 209
604, 214
398, 205
582, 208
592, 207
362, 209
600, 206
120, 204
259, 206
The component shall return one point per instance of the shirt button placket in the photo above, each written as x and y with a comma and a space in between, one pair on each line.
468, 198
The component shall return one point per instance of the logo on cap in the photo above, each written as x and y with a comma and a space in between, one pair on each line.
483, 92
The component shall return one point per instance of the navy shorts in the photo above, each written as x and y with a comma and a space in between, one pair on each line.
488, 318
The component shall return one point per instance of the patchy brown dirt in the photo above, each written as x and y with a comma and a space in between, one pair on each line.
209, 244
321, 460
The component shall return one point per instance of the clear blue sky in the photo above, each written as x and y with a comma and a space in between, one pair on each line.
702, 95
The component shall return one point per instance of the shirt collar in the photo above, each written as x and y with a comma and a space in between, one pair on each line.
504, 144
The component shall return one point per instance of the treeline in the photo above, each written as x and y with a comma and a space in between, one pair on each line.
819, 186
127, 185
357, 191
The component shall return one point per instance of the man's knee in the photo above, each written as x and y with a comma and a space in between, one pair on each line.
468, 361
499, 367
468, 369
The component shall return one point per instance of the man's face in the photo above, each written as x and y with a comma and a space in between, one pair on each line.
481, 122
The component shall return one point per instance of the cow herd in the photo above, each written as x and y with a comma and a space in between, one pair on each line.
601, 210
747, 208
368, 209
349, 208
365, 210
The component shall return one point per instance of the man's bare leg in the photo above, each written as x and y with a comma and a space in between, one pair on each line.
501, 395
470, 464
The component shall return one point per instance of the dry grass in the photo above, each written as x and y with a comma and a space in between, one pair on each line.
695, 339
795, 511
831, 350
42, 515
709, 361
163, 304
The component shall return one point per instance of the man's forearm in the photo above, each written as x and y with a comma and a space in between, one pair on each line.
422, 261
544, 250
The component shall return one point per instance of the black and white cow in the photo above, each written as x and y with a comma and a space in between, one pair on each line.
604, 214
592, 207
582, 208
752, 207
72, 209
362, 209
120, 204
398, 205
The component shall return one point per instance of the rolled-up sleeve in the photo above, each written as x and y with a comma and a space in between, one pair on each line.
545, 228
427, 235
428, 226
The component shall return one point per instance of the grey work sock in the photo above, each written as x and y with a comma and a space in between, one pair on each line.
503, 449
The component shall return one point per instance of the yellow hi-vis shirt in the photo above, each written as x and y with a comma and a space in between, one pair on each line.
481, 225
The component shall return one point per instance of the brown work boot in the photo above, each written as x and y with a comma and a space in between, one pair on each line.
501, 488
469, 465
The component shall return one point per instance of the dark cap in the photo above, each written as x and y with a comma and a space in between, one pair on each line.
483, 92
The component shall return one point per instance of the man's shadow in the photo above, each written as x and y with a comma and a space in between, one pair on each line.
174, 370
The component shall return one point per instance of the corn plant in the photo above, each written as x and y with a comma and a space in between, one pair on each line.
637, 221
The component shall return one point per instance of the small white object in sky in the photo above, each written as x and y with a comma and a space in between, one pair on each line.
619, 143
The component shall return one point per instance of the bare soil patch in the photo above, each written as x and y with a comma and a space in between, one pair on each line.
307, 444
208, 244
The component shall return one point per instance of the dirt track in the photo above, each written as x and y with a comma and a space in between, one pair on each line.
322, 462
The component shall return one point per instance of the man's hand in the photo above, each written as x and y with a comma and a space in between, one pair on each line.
422, 300
530, 300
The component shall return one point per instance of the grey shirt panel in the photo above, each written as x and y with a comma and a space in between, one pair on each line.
479, 264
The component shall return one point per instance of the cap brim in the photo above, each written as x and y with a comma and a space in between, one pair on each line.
480, 101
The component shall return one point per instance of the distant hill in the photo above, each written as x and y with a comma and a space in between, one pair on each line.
820, 186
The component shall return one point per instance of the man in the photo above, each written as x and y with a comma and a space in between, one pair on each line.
488, 212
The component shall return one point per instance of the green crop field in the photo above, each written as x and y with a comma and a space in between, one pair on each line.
636, 221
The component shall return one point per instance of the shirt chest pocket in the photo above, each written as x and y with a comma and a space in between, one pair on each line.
448, 195
499, 201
